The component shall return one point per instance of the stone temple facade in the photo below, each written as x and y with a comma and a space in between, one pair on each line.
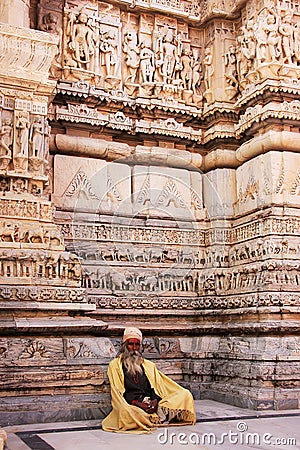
149, 176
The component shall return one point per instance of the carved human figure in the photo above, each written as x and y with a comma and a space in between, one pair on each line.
131, 49
271, 25
22, 127
47, 134
261, 37
246, 49
231, 72
196, 69
296, 40
187, 69
6, 138
109, 54
168, 56
36, 137
49, 23
230, 67
81, 44
286, 29
208, 69
147, 67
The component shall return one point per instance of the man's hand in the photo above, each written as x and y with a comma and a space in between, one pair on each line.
148, 407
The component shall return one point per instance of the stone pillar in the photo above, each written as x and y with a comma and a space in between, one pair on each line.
15, 12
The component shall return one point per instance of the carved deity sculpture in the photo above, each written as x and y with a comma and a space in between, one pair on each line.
22, 126
296, 40
47, 134
187, 69
109, 53
196, 69
273, 38
36, 137
81, 40
208, 69
261, 37
50, 24
6, 138
131, 49
286, 29
147, 67
167, 59
230, 71
246, 50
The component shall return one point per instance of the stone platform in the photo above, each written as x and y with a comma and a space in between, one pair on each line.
246, 429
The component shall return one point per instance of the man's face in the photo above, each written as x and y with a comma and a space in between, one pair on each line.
133, 345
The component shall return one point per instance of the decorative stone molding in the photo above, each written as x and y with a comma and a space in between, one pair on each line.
258, 228
270, 140
185, 10
258, 113
26, 209
26, 54
209, 304
42, 294
98, 148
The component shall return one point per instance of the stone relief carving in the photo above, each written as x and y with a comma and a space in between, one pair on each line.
80, 183
209, 281
76, 348
24, 140
267, 43
90, 49
6, 139
35, 349
203, 303
158, 236
132, 52
39, 264
40, 293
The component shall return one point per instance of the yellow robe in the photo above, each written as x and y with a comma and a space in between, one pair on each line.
131, 419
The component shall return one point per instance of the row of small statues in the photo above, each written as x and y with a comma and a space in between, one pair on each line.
20, 263
165, 57
26, 138
274, 37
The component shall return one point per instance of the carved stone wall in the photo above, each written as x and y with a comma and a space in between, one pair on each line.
166, 136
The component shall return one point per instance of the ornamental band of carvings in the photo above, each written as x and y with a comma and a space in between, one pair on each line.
270, 275
40, 265
113, 233
41, 293
193, 256
205, 303
26, 209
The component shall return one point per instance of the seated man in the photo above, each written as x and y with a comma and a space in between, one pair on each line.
142, 396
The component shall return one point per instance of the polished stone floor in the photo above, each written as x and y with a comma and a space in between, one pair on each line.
218, 426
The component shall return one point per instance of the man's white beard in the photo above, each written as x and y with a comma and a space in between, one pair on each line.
132, 361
